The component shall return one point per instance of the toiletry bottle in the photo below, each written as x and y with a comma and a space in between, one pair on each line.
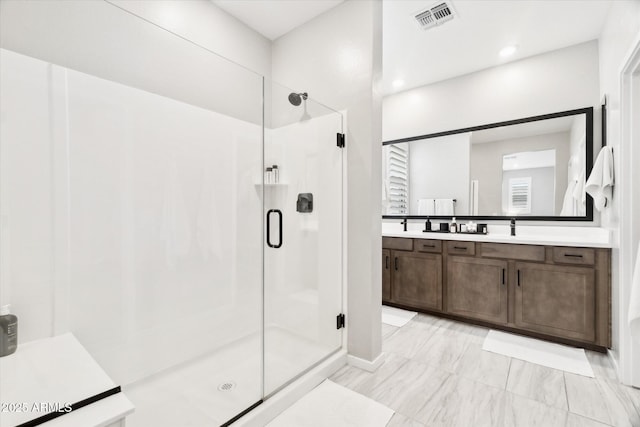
8, 332
276, 174
453, 228
268, 176
427, 225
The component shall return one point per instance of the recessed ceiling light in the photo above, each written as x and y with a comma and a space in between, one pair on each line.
398, 83
508, 51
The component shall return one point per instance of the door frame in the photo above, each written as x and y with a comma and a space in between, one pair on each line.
629, 230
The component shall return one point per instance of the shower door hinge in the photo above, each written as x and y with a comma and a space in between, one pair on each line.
340, 321
340, 139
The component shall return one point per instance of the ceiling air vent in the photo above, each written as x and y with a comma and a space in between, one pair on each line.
435, 14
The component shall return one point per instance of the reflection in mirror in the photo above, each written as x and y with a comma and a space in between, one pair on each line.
520, 173
530, 168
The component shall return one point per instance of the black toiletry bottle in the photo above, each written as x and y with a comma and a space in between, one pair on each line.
8, 332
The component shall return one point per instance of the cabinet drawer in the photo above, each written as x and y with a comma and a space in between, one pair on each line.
509, 251
461, 248
397, 243
423, 245
580, 256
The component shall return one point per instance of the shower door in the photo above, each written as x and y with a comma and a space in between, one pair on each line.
303, 235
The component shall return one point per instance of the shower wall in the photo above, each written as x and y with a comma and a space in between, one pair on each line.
126, 218
97, 38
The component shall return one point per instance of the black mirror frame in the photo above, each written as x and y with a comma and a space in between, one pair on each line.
588, 111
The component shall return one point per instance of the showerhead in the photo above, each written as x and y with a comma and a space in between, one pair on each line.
296, 98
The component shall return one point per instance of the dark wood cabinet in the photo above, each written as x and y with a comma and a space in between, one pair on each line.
552, 292
386, 275
417, 280
477, 288
556, 299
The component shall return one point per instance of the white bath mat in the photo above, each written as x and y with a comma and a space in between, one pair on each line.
395, 316
330, 404
543, 353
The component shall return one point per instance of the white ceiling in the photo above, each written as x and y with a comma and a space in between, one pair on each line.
471, 41
273, 18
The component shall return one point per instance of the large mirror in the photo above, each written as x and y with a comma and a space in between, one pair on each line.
532, 168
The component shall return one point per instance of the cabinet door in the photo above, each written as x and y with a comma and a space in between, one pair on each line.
555, 299
386, 275
417, 280
477, 288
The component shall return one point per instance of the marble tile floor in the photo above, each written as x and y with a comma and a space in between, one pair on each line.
436, 374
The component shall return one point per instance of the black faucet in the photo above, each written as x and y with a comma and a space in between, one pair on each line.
513, 226
404, 223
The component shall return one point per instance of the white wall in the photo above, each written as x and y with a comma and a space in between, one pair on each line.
561, 80
439, 169
339, 64
98, 38
202, 22
620, 30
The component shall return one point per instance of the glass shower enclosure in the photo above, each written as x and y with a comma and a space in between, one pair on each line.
140, 231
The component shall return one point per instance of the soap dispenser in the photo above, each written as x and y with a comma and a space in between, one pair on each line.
453, 228
8, 331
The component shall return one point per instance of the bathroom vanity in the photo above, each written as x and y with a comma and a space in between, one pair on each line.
552, 288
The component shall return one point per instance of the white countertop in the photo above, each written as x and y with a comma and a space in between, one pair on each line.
592, 237
57, 370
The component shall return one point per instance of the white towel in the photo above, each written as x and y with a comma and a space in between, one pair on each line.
426, 207
601, 180
579, 194
444, 207
634, 300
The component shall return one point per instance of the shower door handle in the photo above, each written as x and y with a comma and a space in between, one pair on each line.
279, 212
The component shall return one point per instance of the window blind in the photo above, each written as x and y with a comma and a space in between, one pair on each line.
398, 172
520, 195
